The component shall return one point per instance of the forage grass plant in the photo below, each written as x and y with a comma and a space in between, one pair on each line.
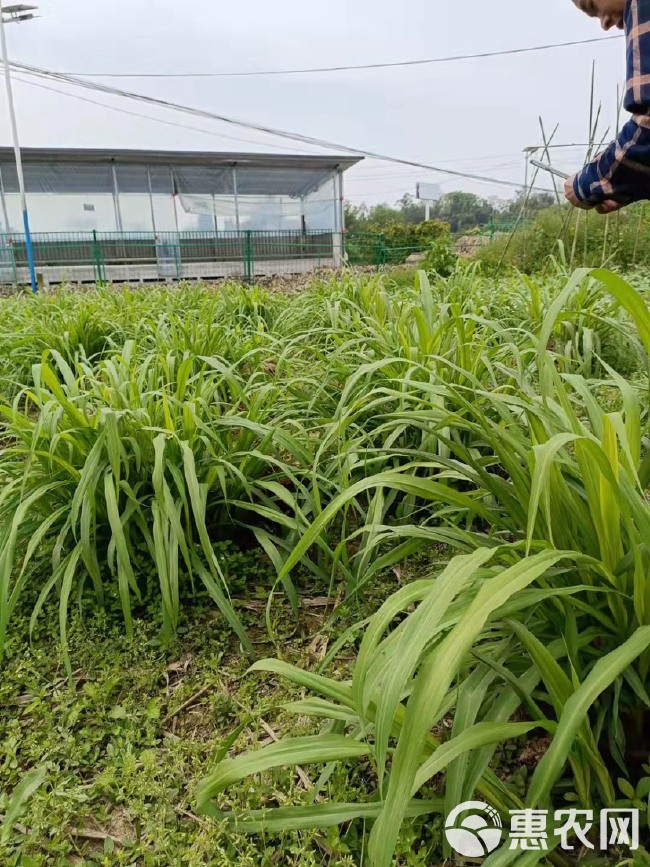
542, 624
128, 468
140, 425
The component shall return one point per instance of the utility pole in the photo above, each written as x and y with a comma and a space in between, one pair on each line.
17, 14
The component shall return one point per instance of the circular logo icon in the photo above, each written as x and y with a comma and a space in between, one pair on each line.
476, 834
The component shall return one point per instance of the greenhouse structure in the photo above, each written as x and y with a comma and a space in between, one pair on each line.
130, 215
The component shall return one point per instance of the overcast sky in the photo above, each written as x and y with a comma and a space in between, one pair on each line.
473, 115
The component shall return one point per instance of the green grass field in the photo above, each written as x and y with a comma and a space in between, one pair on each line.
284, 578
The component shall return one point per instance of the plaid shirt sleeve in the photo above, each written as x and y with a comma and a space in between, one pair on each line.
622, 171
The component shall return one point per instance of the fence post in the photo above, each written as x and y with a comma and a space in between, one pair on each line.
178, 256
98, 261
249, 265
8, 273
381, 252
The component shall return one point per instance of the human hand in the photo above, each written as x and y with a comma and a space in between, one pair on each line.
570, 196
609, 206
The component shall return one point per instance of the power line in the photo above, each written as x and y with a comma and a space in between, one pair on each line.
573, 145
279, 133
455, 160
171, 123
346, 68
414, 177
384, 191
378, 194
175, 124
221, 135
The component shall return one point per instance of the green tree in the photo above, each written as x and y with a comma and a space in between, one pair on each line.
413, 210
512, 208
463, 211
384, 215
356, 217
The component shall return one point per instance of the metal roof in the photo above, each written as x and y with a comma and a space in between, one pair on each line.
72, 170
326, 162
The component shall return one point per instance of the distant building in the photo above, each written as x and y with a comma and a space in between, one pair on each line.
151, 215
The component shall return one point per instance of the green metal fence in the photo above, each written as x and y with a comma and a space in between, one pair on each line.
97, 257
166, 255
379, 250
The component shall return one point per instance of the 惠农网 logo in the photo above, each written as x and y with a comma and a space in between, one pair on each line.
473, 829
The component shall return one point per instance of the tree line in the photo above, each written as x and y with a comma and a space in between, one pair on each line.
461, 211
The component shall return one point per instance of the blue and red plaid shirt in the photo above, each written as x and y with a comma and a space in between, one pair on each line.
622, 172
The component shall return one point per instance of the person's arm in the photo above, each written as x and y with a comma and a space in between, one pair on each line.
621, 174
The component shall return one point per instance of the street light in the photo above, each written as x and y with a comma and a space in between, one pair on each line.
17, 14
